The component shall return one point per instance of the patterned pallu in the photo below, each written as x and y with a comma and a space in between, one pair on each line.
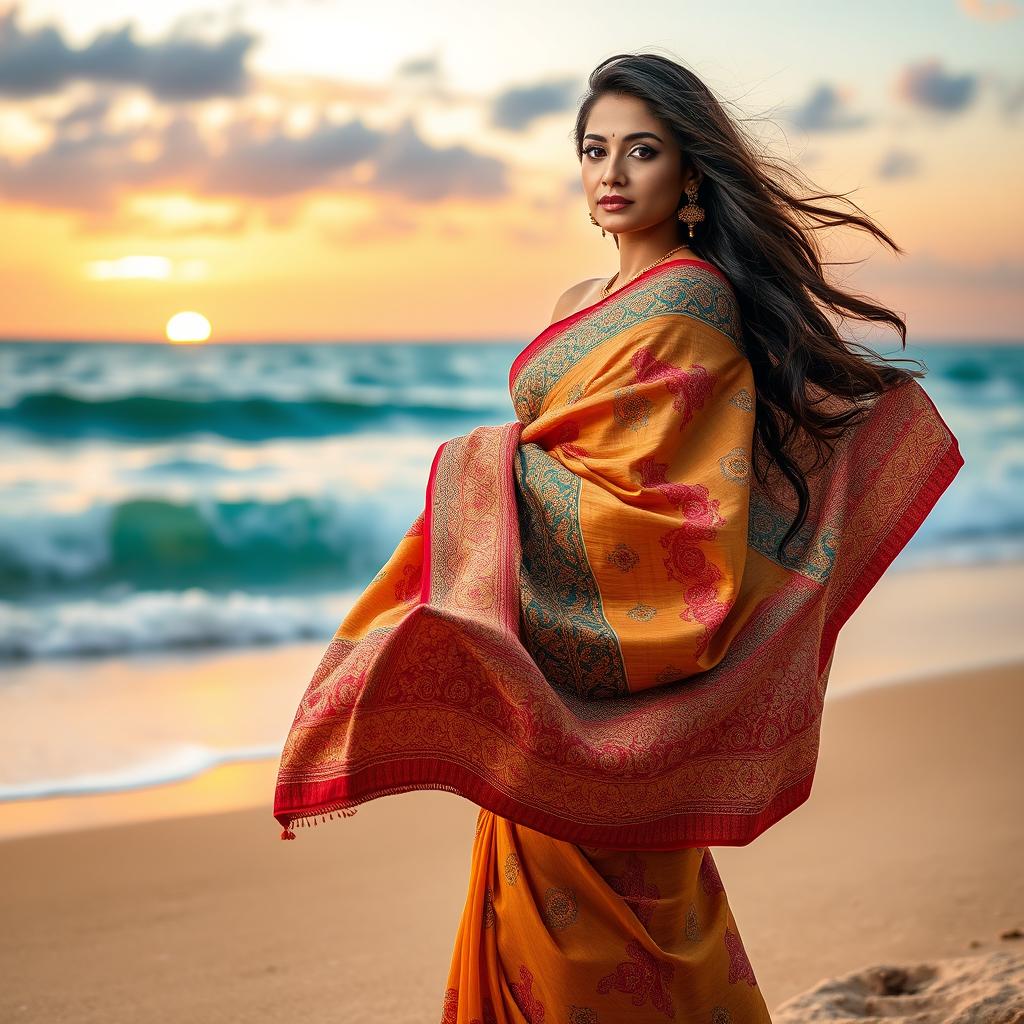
589, 629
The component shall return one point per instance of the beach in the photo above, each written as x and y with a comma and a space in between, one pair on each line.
906, 851
316, 317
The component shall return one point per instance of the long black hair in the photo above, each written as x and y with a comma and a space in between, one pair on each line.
760, 219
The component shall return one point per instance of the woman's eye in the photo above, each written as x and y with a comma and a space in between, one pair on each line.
650, 152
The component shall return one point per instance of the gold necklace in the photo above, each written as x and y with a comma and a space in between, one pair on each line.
604, 290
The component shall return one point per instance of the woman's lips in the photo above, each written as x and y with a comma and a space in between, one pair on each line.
617, 205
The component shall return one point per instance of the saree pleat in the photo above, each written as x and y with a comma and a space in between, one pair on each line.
554, 931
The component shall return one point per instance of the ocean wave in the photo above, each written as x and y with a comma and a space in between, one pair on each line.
158, 542
70, 416
166, 620
174, 764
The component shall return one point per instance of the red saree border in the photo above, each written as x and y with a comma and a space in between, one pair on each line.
455, 459
427, 526
913, 516
510, 542
567, 321
675, 832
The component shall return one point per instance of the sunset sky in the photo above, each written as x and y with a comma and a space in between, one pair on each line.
309, 169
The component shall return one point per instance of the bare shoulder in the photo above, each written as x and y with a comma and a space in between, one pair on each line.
578, 297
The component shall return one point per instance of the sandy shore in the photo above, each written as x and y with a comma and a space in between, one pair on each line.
908, 849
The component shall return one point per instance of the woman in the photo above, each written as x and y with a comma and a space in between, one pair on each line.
613, 623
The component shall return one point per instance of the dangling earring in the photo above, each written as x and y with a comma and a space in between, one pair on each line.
691, 213
593, 220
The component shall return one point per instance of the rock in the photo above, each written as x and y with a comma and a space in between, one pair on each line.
984, 989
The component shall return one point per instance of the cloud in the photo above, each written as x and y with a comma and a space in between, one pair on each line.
516, 108
279, 164
422, 78
408, 165
824, 111
90, 112
101, 166
898, 163
179, 67
420, 67
91, 167
82, 171
927, 85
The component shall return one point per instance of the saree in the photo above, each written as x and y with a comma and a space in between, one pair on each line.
554, 931
589, 630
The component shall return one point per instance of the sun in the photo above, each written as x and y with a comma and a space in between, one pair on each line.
188, 327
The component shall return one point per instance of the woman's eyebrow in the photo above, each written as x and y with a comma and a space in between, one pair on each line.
625, 138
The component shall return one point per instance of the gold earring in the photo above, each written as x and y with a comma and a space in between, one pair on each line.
593, 220
691, 213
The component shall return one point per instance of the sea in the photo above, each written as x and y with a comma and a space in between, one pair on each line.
162, 500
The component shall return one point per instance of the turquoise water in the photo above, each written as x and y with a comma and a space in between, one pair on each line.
164, 497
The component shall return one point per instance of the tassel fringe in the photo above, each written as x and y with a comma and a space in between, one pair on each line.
345, 812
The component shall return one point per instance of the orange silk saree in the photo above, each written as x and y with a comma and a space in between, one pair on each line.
553, 931
588, 630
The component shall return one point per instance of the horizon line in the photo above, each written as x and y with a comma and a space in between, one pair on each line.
392, 340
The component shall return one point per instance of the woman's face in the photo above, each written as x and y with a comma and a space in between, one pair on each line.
646, 169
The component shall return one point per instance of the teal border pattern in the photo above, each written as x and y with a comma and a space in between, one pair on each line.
690, 290
811, 552
561, 617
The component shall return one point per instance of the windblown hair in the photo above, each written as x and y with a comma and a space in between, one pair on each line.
760, 219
